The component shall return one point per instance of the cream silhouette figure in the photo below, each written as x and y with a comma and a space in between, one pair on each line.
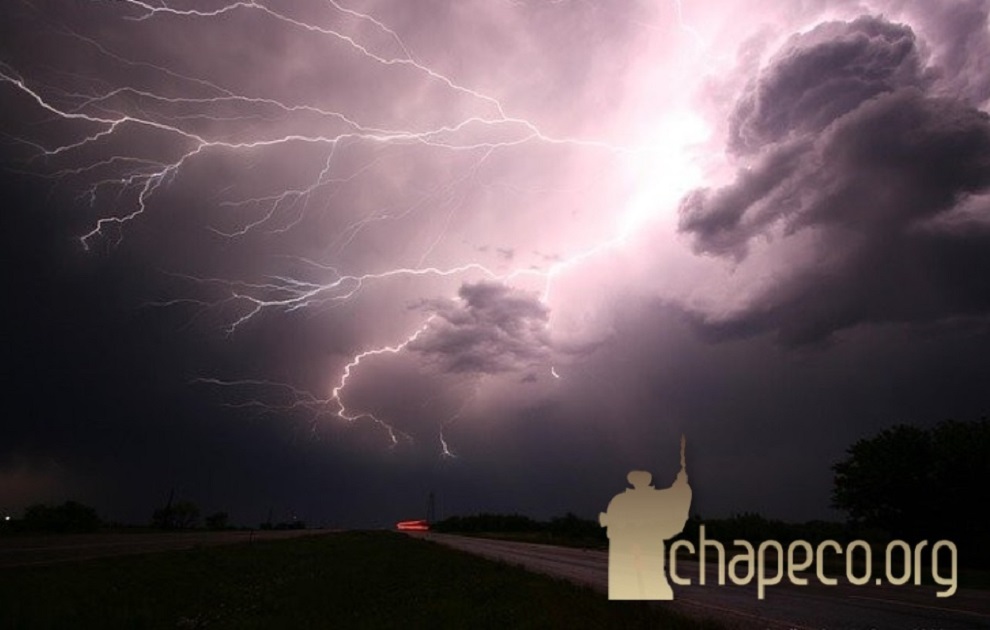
639, 520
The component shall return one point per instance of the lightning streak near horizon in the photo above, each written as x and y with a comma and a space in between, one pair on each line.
102, 113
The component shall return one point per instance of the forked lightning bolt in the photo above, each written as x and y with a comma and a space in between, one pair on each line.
103, 112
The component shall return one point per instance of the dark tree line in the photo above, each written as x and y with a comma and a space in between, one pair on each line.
185, 515
74, 517
569, 526
487, 522
70, 517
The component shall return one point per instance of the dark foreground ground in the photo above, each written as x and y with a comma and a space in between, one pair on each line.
339, 580
32, 550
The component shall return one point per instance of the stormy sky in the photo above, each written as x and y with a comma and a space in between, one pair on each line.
322, 258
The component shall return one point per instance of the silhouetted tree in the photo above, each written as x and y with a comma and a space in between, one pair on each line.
162, 518
180, 515
920, 484
186, 514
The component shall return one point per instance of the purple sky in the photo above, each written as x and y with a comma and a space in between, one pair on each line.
326, 257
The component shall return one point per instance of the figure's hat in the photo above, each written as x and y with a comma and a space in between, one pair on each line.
639, 478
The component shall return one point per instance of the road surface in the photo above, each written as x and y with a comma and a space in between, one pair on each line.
809, 607
17, 551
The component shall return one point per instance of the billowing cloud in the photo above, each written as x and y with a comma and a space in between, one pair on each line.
822, 75
849, 154
492, 328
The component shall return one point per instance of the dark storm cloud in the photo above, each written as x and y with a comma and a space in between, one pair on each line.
851, 150
492, 328
822, 75
724, 219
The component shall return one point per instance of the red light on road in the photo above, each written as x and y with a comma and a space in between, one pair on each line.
413, 526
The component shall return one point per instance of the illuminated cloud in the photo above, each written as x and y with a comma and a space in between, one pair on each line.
850, 151
492, 328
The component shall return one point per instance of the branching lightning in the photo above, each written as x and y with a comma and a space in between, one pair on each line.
103, 113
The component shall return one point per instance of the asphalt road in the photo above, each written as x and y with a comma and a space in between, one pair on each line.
809, 607
17, 551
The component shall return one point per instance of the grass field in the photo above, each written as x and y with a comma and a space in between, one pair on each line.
343, 580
